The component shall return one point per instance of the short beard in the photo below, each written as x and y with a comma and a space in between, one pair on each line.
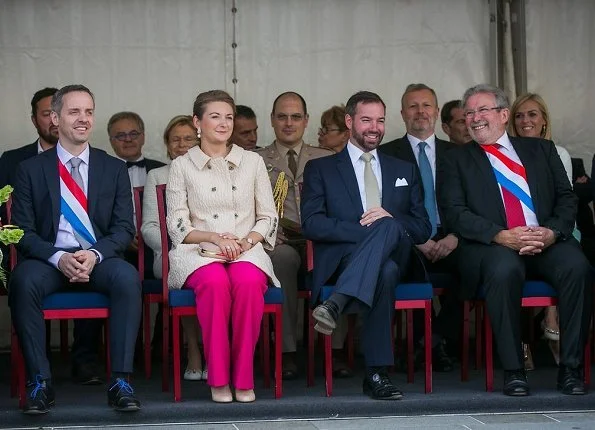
361, 141
49, 138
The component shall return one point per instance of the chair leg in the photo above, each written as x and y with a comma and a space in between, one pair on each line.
278, 352
350, 341
399, 335
328, 364
428, 345
310, 360
176, 358
64, 339
489, 353
479, 313
465, 342
165, 349
108, 356
266, 350
147, 337
410, 349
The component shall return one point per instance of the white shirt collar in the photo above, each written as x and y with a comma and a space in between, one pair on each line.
355, 152
505, 142
65, 156
142, 157
414, 141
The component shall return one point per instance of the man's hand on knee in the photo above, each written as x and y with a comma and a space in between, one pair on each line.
372, 215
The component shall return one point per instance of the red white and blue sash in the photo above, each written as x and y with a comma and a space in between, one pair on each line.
512, 178
73, 206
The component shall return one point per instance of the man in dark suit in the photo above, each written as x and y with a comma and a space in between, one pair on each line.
245, 128
363, 211
510, 202
420, 146
453, 123
47, 132
68, 246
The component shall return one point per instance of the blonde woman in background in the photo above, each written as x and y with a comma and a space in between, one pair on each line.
179, 136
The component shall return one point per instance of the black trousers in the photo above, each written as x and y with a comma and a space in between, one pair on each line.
562, 265
370, 274
32, 280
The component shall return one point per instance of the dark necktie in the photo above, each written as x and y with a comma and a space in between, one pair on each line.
427, 179
291, 162
140, 163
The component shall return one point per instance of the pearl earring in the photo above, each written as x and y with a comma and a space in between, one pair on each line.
198, 133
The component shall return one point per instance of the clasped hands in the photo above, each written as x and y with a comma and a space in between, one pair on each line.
230, 245
527, 240
435, 250
77, 266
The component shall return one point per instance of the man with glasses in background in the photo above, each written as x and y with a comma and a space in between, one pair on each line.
285, 159
510, 202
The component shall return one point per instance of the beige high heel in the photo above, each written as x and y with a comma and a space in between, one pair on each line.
245, 396
528, 357
221, 394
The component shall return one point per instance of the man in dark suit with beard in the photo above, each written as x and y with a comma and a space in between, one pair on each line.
420, 146
363, 211
511, 203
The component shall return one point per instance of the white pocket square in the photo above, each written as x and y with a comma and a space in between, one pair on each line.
401, 182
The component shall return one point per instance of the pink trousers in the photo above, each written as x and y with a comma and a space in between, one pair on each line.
229, 304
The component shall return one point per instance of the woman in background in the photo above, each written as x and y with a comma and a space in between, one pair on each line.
333, 133
221, 217
179, 136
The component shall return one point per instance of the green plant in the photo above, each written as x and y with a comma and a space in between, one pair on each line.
9, 234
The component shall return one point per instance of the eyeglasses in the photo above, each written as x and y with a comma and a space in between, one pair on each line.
484, 111
324, 130
296, 117
122, 137
188, 140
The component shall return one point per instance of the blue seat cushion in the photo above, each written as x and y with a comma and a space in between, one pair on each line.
414, 291
180, 298
184, 297
273, 296
530, 289
538, 289
152, 286
75, 300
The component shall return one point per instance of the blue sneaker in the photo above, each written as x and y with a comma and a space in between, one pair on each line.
40, 397
120, 396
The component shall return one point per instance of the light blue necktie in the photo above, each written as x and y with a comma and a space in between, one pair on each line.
428, 182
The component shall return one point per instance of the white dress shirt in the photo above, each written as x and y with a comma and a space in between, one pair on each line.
355, 154
138, 178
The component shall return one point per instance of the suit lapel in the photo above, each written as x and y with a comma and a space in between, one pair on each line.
302, 160
348, 174
404, 150
525, 153
95, 170
487, 171
387, 181
50, 172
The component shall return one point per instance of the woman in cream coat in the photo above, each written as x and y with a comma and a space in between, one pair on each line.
219, 198
179, 136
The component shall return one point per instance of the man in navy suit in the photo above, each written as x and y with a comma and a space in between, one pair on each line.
511, 204
363, 211
56, 254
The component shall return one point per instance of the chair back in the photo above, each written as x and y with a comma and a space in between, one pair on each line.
165, 241
138, 194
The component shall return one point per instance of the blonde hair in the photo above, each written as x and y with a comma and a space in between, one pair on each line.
174, 122
546, 131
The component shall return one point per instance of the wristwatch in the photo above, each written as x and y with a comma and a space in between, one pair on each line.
97, 257
250, 241
557, 234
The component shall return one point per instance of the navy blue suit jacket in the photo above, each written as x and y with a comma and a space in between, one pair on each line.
36, 204
331, 208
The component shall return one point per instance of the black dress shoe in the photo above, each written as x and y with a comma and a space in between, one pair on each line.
40, 398
289, 370
326, 316
379, 387
441, 362
86, 374
570, 381
120, 396
515, 383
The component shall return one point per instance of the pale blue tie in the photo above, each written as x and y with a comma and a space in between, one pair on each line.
425, 169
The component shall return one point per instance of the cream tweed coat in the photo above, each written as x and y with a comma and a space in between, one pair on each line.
231, 194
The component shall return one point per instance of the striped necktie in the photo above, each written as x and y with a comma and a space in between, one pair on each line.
512, 179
